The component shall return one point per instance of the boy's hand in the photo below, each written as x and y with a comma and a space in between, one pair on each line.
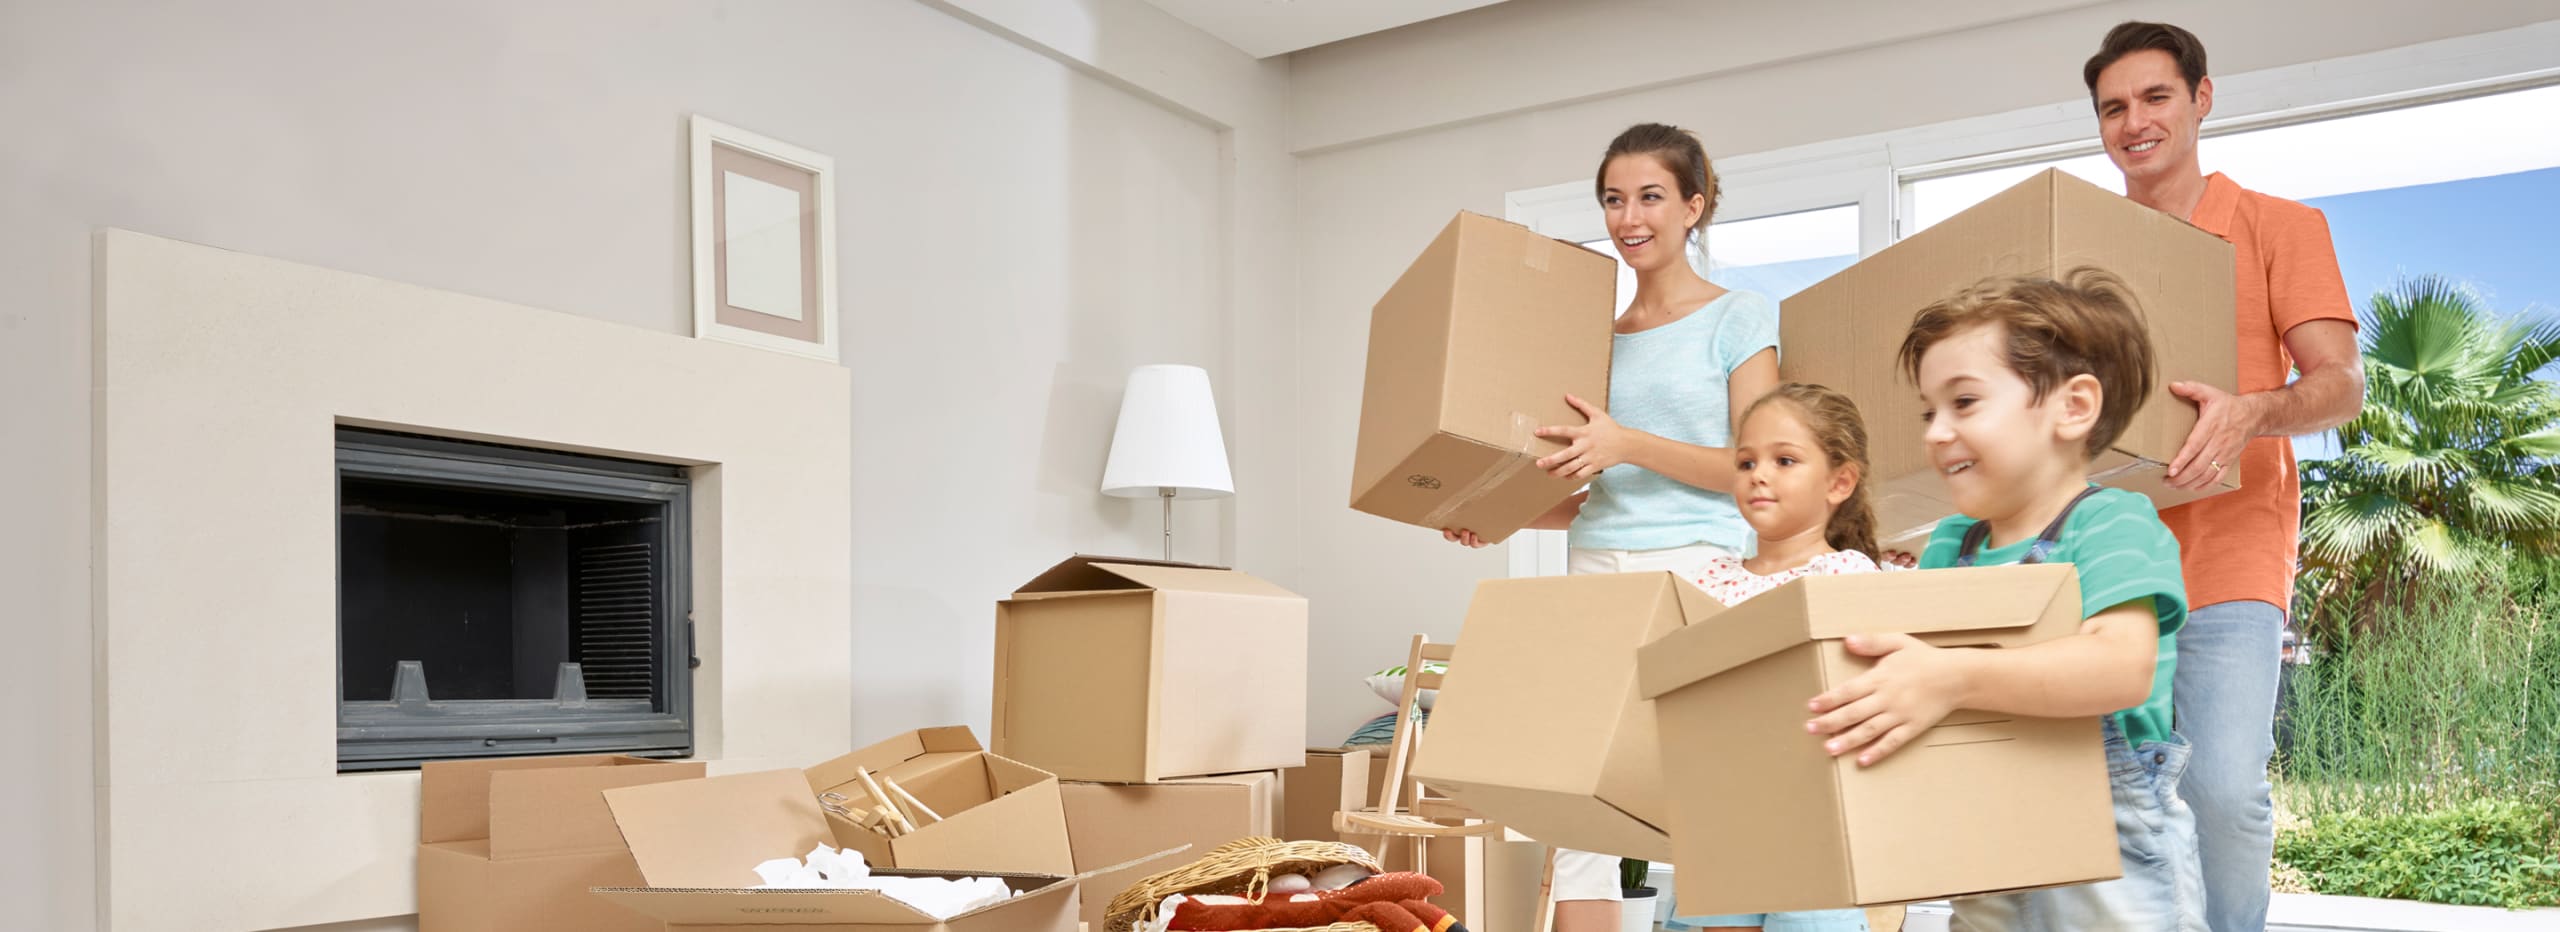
1910, 689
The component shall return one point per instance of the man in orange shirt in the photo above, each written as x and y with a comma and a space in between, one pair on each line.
2149, 86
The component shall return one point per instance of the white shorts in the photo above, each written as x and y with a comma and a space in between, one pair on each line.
1582, 875
1687, 561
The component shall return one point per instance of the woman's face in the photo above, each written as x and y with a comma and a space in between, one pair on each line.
1648, 219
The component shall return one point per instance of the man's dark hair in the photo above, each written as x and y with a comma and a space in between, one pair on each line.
2130, 37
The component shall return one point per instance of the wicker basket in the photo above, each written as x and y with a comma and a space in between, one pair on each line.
1241, 867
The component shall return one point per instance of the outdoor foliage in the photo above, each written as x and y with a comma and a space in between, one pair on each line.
2478, 853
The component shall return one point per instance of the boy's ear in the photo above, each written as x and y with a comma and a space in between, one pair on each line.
2080, 398
1844, 481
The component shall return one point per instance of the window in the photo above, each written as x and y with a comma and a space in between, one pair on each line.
498, 601
2459, 188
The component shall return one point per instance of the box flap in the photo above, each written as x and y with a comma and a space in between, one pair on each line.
681, 906
453, 795
556, 811
1195, 579
1079, 574
1972, 605
881, 756
711, 833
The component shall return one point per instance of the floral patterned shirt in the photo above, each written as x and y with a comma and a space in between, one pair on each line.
1730, 582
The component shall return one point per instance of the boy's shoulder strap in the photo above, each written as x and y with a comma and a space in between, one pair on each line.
1980, 532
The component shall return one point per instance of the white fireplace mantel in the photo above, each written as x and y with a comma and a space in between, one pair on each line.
219, 381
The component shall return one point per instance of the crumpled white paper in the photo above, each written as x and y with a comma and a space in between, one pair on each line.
831, 869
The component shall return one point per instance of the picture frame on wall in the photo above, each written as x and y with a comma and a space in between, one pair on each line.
764, 233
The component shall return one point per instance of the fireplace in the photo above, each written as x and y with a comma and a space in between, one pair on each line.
499, 601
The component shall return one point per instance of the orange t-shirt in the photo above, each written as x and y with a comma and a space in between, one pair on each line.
2242, 544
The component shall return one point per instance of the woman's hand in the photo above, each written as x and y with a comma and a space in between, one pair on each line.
1461, 536
1589, 448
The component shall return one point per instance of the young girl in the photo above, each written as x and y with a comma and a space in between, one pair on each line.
1687, 355
1798, 461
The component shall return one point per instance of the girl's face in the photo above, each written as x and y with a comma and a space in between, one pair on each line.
1783, 482
1992, 441
1648, 218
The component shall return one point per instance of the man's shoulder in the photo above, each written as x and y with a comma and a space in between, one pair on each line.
2264, 207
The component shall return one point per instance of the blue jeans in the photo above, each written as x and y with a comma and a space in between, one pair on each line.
2161, 890
2225, 696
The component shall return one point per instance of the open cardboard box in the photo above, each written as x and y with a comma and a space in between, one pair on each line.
1471, 351
997, 814
1539, 725
1762, 820
1113, 822
514, 843
698, 842
1845, 331
1113, 670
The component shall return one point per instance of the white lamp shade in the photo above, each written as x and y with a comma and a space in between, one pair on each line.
1168, 437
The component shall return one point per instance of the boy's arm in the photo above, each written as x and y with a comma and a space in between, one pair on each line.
2104, 668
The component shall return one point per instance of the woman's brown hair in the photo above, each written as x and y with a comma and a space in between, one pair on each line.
1680, 153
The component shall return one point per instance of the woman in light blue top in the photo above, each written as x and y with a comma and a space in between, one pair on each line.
1689, 355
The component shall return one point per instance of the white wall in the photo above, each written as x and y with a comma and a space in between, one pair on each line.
1018, 226
1389, 149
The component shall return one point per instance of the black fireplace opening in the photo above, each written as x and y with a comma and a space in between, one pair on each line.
499, 601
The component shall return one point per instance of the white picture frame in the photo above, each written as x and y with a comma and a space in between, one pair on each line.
764, 242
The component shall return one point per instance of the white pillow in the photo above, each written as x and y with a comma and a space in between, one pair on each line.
1389, 684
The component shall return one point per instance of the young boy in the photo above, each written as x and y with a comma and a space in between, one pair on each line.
2024, 381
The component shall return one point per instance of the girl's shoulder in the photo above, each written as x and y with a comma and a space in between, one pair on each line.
1840, 562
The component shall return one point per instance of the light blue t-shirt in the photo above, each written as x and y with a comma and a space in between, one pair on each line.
1670, 382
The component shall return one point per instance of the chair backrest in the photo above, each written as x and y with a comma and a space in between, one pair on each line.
1418, 676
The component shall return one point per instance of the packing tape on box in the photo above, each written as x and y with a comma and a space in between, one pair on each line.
1536, 254
2105, 476
1524, 436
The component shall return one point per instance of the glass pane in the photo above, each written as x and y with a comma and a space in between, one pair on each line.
1776, 256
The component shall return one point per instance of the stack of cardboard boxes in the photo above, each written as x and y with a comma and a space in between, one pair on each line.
1167, 696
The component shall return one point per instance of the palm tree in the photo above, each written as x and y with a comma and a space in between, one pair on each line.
2446, 471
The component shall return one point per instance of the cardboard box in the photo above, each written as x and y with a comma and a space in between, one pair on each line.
1472, 350
1111, 823
514, 843
997, 814
698, 842
1332, 780
1539, 725
1845, 330
1112, 670
1978, 804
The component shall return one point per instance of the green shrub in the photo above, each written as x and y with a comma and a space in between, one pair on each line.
2477, 853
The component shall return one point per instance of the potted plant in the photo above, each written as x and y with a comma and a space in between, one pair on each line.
1636, 898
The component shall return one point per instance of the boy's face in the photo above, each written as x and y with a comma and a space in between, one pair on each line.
1995, 444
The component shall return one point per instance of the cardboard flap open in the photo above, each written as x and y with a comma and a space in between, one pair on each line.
1082, 573
711, 833
1988, 600
1982, 598
554, 811
1194, 579
681, 907
453, 795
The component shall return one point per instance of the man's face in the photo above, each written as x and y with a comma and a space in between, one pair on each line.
2148, 117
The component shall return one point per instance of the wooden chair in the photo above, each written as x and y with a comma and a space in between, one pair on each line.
1425, 817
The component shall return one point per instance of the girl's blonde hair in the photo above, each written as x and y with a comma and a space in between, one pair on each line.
1842, 434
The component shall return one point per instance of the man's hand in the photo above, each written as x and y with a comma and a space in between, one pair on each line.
2225, 423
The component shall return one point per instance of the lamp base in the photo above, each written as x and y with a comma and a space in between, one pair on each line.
1165, 493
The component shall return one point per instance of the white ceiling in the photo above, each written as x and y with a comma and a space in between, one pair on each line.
1264, 28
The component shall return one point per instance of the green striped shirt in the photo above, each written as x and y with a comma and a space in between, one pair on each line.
2123, 553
